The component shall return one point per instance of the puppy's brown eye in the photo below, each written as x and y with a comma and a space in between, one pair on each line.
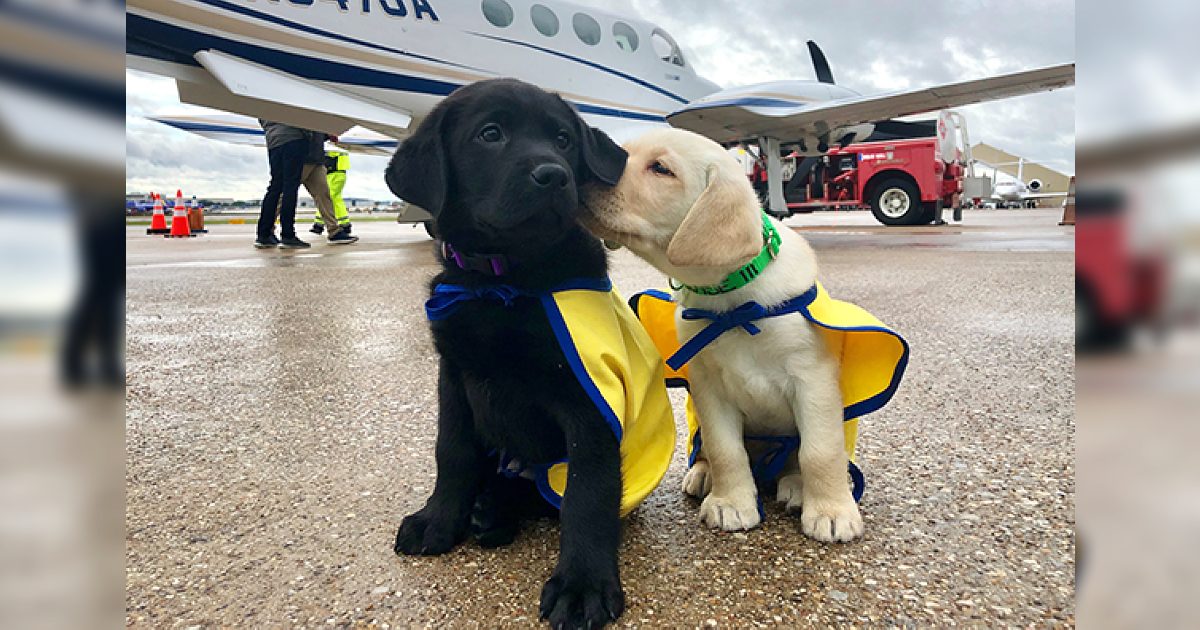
563, 140
491, 133
658, 169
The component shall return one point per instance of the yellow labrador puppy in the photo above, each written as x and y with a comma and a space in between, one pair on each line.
685, 205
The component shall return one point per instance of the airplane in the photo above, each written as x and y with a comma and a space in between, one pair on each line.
384, 64
1017, 192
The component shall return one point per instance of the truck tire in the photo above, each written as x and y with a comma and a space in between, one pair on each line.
1092, 334
897, 202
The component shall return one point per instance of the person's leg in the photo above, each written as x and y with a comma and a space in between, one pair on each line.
337, 183
317, 185
291, 168
271, 200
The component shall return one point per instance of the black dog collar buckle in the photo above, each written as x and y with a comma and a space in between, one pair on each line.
491, 264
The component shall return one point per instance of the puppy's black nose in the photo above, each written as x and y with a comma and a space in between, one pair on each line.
550, 176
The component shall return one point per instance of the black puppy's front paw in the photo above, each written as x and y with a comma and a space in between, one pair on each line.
582, 599
423, 534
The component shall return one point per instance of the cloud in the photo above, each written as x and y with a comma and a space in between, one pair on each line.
871, 46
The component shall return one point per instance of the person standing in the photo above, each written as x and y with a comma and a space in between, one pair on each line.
286, 148
336, 165
315, 179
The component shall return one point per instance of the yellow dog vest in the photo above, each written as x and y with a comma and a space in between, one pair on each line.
872, 357
618, 367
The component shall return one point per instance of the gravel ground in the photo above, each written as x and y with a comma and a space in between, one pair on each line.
281, 416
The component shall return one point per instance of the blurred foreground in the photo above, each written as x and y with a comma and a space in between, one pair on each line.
61, 313
1137, 297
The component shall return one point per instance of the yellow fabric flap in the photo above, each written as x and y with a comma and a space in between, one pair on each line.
618, 365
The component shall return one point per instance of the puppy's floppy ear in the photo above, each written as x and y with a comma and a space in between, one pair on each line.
603, 158
723, 228
419, 172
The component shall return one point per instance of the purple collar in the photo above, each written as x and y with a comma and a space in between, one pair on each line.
491, 264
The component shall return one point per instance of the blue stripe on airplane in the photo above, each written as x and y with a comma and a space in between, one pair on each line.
592, 64
743, 102
189, 42
250, 131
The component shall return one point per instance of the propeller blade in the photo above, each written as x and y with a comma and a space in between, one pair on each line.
820, 64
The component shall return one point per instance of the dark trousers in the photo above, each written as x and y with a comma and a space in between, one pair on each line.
287, 163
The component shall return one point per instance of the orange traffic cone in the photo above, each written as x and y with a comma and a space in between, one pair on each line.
179, 219
196, 217
158, 223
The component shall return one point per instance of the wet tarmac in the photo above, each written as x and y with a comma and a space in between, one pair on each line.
281, 415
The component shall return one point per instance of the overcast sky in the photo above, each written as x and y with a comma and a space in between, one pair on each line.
872, 46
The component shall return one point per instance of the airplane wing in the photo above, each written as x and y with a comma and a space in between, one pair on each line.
238, 129
230, 83
747, 116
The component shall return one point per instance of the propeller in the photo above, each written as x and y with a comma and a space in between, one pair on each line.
824, 74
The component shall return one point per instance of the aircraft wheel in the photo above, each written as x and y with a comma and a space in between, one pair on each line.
897, 202
430, 229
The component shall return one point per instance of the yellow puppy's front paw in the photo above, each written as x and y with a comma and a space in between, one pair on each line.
831, 521
730, 513
697, 482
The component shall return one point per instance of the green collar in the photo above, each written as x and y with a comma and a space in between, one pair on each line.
748, 271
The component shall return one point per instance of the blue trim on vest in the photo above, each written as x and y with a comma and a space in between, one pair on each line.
876, 402
771, 463
753, 311
662, 295
541, 478
446, 298
740, 317
559, 325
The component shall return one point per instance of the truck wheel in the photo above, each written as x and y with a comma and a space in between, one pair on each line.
897, 202
430, 229
1092, 334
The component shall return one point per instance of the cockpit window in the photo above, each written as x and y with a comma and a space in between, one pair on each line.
587, 28
498, 12
625, 36
666, 48
544, 20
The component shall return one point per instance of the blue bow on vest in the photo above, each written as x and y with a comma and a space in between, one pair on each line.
447, 298
740, 317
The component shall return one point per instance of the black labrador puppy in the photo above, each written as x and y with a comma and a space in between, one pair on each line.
500, 164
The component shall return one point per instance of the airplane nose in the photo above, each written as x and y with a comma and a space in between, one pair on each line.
550, 176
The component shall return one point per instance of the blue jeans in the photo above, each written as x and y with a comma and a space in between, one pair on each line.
287, 163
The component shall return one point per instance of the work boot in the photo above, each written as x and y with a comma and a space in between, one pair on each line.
342, 237
291, 242
264, 243
346, 228
317, 228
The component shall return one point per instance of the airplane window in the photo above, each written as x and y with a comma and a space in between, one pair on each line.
587, 28
625, 37
498, 12
544, 20
666, 48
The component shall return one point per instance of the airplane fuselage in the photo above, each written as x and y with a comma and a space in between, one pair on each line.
412, 53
